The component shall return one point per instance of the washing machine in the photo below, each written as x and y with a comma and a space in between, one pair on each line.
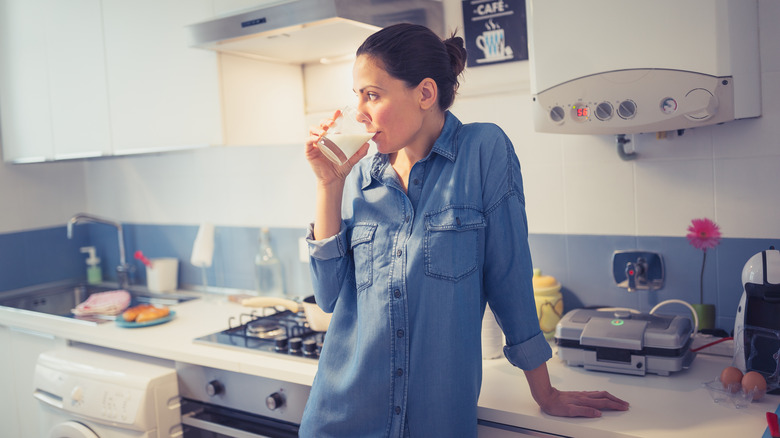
91, 392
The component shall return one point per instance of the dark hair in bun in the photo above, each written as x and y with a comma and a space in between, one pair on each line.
411, 53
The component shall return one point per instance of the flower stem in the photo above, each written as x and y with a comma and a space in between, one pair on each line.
701, 277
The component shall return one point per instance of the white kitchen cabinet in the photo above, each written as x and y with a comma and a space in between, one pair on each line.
163, 94
82, 78
23, 348
9, 415
52, 78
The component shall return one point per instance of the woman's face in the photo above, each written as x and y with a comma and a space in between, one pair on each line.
391, 106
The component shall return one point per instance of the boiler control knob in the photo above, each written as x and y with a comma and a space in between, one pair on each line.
274, 401
700, 104
214, 387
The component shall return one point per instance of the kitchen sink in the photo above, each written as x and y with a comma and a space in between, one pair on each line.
58, 298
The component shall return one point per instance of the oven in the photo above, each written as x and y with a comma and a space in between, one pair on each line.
217, 403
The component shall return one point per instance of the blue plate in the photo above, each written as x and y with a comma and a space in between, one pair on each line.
132, 324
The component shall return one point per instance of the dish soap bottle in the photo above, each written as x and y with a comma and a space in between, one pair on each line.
268, 268
94, 274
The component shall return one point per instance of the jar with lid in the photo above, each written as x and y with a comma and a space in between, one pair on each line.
549, 302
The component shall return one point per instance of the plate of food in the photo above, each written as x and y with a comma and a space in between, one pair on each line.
144, 315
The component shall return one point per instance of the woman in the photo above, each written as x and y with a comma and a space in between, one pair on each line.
407, 248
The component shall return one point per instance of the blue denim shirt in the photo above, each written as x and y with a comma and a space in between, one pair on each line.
407, 279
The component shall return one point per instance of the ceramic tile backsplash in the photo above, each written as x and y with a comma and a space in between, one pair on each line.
746, 196
671, 193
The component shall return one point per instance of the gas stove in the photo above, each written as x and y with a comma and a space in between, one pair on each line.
282, 332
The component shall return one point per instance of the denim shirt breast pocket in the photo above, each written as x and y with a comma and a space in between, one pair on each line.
451, 242
362, 246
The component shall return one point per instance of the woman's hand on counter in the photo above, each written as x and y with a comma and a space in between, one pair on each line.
580, 403
569, 403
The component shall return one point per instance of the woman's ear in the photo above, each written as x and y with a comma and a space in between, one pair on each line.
429, 93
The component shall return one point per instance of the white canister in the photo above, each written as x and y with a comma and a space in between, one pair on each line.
549, 302
163, 275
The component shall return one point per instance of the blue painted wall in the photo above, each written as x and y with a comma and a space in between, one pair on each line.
581, 263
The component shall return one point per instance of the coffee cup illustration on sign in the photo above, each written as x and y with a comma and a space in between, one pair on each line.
492, 42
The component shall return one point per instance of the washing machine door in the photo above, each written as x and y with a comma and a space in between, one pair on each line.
71, 429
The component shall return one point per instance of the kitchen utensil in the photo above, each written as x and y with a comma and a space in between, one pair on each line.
316, 317
756, 327
140, 256
348, 132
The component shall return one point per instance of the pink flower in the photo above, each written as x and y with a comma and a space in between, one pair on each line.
703, 234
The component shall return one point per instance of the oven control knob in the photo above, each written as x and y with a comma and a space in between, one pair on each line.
309, 347
215, 387
281, 343
274, 401
295, 345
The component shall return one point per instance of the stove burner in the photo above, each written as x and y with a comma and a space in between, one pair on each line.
264, 329
282, 332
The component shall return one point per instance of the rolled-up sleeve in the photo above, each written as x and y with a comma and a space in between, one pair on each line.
329, 264
329, 248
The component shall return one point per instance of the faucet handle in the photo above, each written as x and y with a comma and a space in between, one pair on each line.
638, 270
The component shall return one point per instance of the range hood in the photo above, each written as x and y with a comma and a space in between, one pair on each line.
304, 31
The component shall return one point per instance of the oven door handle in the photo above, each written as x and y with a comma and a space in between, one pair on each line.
189, 420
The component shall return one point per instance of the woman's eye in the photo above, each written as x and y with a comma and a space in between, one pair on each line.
372, 96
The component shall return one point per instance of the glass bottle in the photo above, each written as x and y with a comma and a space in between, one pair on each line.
268, 268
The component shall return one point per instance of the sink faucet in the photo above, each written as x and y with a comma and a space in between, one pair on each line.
123, 267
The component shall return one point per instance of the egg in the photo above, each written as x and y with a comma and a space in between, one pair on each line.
730, 378
754, 381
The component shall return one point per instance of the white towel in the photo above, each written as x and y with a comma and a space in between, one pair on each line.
104, 303
203, 248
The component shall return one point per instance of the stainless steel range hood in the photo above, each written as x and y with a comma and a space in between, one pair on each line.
302, 31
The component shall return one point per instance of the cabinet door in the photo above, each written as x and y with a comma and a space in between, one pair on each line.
52, 76
9, 415
163, 94
77, 78
25, 114
25, 348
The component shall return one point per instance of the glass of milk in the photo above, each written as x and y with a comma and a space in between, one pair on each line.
349, 131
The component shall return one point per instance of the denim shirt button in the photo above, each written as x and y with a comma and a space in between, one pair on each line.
399, 372
397, 410
457, 221
416, 182
397, 293
400, 333
407, 219
399, 252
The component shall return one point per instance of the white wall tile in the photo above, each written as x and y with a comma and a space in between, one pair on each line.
599, 198
544, 197
769, 34
40, 195
670, 193
747, 200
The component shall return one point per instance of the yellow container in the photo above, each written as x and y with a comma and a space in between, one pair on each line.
549, 302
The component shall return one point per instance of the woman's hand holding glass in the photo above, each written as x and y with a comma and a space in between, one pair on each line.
337, 144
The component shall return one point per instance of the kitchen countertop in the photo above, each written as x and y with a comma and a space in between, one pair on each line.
673, 406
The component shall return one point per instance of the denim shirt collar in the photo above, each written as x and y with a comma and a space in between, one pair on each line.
445, 145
